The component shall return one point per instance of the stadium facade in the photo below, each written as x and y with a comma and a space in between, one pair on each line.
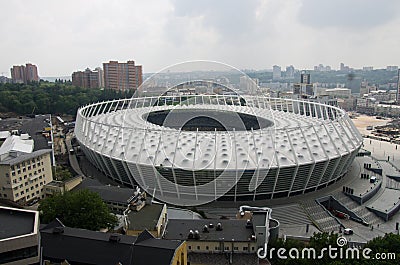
193, 149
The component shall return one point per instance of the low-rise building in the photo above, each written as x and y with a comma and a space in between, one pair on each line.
19, 236
118, 199
213, 235
56, 186
151, 217
80, 246
244, 235
23, 175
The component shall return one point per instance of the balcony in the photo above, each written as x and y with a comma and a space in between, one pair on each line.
33, 177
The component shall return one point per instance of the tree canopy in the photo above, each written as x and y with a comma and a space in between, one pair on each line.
80, 209
53, 98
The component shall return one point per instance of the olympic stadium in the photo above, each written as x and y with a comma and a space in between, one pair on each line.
193, 149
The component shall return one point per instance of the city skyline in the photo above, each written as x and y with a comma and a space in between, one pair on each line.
60, 38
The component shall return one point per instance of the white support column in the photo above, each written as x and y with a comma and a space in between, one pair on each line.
277, 163
236, 161
173, 165
312, 157
258, 165
295, 159
215, 163
325, 153
337, 152
193, 165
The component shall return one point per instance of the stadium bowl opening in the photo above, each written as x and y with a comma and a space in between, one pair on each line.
206, 120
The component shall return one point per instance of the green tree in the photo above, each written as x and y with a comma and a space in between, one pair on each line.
80, 209
62, 173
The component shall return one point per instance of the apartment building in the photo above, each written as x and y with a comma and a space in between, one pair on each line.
88, 78
23, 175
122, 76
24, 73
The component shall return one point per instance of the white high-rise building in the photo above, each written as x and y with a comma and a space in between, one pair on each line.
276, 72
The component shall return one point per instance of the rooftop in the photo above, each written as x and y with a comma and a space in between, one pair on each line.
92, 247
32, 126
17, 222
146, 218
107, 192
231, 230
18, 157
16, 144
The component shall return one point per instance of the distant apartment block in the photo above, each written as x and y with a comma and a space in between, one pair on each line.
24, 73
122, 76
398, 87
305, 87
290, 72
368, 68
392, 68
276, 72
4, 80
322, 68
88, 78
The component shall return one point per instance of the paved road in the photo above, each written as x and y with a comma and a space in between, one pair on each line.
72, 157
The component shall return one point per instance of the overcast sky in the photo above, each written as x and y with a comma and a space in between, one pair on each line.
65, 36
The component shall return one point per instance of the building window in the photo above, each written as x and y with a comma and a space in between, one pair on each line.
216, 248
189, 247
198, 247
226, 248
235, 248
252, 248
207, 247
245, 248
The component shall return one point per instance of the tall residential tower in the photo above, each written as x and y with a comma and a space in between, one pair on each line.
24, 73
122, 76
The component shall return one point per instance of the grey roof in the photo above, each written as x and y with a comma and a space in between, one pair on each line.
35, 125
154, 251
231, 230
16, 222
91, 247
107, 193
85, 246
12, 160
146, 218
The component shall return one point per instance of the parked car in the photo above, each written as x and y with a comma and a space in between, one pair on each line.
348, 231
